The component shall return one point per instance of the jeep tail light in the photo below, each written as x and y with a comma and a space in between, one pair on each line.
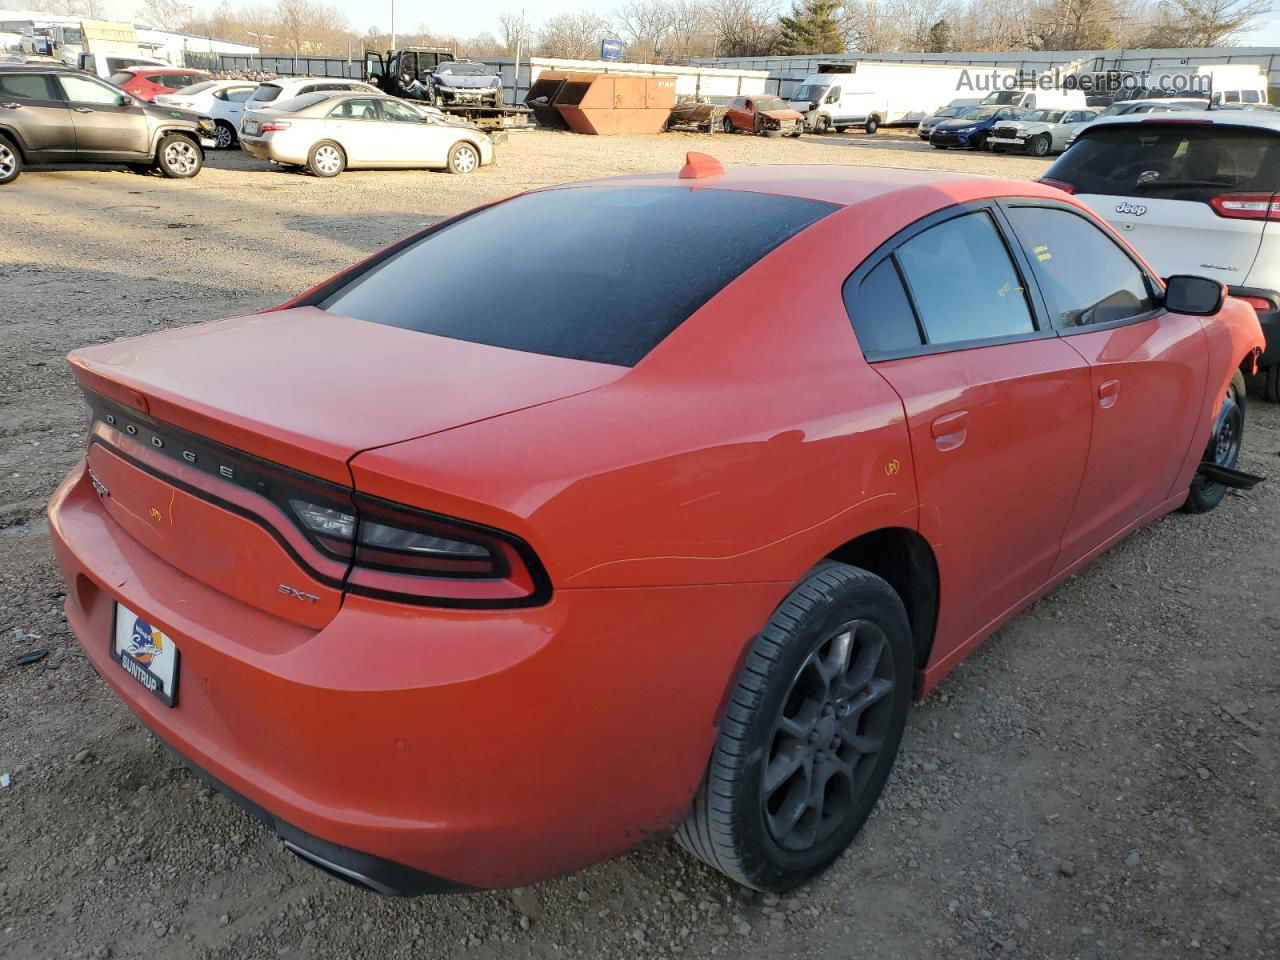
1261, 304
1247, 206
274, 125
1058, 184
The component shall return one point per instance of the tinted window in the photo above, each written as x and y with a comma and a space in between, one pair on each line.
881, 311
294, 104
237, 94
1171, 161
25, 86
600, 274
1086, 278
963, 283
1252, 96
355, 110
267, 92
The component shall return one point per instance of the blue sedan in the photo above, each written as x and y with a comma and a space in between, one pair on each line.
972, 131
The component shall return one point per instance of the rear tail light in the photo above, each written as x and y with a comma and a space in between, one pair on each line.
1261, 304
400, 553
272, 125
1247, 206
1058, 184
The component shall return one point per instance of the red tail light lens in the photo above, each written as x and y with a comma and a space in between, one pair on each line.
1261, 304
274, 125
1247, 206
1058, 184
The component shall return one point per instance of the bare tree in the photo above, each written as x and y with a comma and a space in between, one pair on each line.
167, 14
744, 28
1205, 23
513, 30
689, 31
646, 26
573, 36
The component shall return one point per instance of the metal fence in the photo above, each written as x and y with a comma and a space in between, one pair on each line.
279, 64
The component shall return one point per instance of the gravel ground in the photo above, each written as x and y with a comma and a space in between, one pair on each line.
1098, 780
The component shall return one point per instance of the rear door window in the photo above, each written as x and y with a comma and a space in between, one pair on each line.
881, 311
1085, 276
1172, 161
591, 273
963, 282
23, 86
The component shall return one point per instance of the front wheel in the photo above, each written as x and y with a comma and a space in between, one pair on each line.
179, 157
1039, 145
727, 125
822, 125
810, 732
326, 159
10, 161
463, 158
224, 135
1225, 440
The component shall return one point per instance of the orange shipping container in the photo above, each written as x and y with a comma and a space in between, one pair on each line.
608, 104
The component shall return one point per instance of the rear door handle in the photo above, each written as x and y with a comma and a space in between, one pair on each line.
83, 109
10, 106
1108, 393
950, 430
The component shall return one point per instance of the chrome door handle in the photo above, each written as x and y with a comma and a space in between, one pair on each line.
10, 106
82, 109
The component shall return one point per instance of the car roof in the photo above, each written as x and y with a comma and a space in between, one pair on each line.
1222, 118
840, 184
37, 66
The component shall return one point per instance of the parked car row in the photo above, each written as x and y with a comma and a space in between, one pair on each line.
53, 114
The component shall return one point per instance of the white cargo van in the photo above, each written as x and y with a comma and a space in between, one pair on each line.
869, 94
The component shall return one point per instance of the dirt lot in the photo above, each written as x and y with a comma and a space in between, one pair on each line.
1101, 779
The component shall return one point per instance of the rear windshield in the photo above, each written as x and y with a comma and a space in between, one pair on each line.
294, 104
592, 273
121, 78
199, 87
266, 93
1171, 161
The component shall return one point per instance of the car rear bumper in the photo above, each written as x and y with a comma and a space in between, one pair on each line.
415, 749
1268, 319
263, 148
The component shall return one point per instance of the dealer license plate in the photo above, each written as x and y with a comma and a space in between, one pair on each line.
146, 653
251, 126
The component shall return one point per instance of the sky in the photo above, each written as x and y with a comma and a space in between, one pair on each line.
466, 20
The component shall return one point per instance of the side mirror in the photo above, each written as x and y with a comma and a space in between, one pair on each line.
123, 100
1193, 296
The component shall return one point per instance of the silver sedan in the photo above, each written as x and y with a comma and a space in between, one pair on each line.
330, 132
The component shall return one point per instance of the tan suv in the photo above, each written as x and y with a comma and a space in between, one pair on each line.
51, 114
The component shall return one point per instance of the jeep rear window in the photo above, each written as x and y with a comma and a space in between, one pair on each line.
591, 273
1168, 160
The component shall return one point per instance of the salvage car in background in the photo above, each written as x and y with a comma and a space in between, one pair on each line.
529, 637
699, 113
955, 112
146, 83
220, 100
331, 132
1194, 193
763, 115
972, 131
1040, 132
53, 114
464, 82
285, 88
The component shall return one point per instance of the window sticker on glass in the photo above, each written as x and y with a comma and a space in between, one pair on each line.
1042, 252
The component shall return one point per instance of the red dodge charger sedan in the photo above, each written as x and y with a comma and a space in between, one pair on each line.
628, 507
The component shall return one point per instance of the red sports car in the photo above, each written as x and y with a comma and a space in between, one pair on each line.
146, 82
462, 577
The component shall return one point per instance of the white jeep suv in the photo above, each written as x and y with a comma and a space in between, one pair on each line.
1195, 192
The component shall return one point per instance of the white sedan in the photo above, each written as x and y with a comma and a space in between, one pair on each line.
331, 132
223, 100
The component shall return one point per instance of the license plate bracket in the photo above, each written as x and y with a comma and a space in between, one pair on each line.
146, 653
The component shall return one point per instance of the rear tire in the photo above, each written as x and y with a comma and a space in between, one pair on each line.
10, 161
871, 126
1225, 442
326, 159
179, 157
1265, 384
810, 733
464, 158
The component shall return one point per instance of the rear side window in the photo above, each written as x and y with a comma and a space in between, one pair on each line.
1171, 161
882, 314
25, 86
963, 282
266, 93
591, 273
1085, 276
